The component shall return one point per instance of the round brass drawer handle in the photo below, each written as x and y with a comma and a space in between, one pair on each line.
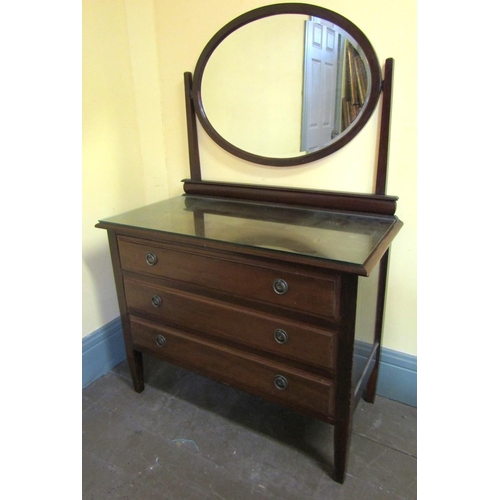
161, 341
280, 382
280, 286
156, 300
151, 259
280, 336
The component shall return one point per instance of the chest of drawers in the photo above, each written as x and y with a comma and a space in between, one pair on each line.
209, 285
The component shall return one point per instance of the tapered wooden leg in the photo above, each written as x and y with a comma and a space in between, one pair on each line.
344, 396
371, 387
136, 370
341, 442
134, 358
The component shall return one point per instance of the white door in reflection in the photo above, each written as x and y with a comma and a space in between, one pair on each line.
321, 110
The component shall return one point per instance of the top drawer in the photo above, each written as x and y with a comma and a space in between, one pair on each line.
284, 288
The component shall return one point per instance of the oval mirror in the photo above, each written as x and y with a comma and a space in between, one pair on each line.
286, 84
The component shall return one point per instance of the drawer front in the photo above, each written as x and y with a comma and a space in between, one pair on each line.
236, 368
271, 333
287, 289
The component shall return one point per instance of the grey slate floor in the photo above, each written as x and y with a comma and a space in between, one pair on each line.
186, 437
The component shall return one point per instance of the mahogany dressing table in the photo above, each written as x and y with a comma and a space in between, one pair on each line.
275, 291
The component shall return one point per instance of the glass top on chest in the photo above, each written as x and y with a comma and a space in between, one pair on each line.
323, 234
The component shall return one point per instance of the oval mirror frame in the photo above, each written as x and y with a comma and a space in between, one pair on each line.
274, 10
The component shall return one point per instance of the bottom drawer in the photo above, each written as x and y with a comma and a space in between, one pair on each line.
234, 367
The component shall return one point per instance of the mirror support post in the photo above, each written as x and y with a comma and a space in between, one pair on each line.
385, 126
194, 153
383, 158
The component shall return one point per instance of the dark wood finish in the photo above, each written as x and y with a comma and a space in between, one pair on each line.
382, 247
385, 128
352, 202
134, 357
252, 282
258, 253
199, 224
273, 10
305, 343
342, 440
236, 367
344, 397
215, 312
382, 285
192, 131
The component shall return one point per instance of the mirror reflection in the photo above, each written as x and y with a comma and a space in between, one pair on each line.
286, 85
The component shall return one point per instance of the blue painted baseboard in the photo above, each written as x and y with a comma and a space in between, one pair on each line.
397, 379
102, 350
397, 376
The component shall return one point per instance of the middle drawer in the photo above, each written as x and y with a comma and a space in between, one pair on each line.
263, 331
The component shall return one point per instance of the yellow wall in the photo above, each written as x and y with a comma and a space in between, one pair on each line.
135, 143
123, 152
276, 79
